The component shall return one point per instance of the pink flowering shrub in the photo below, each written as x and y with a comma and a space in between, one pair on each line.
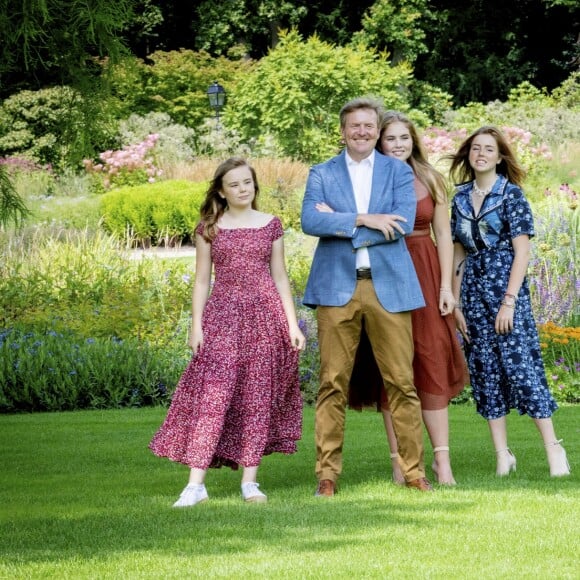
534, 157
131, 165
439, 142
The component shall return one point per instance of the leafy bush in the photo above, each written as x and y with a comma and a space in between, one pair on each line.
86, 284
33, 124
551, 119
174, 83
131, 165
294, 94
175, 143
52, 371
53, 126
166, 212
561, 352
299, 251
309, 364
553, 271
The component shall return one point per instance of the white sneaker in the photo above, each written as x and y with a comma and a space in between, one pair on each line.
193, 493
251, 493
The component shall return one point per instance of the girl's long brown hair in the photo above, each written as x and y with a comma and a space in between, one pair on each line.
214, 205
460, 170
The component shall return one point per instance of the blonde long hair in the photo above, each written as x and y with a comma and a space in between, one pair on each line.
425, 172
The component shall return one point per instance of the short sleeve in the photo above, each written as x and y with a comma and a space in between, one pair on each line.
276, 228
518, 213
199, 229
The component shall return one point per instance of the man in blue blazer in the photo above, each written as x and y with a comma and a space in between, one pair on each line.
361, 204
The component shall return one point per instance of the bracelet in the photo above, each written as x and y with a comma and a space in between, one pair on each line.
509, 300
459, 306
444, 289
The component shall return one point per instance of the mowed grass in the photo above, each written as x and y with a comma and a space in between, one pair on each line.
81, 496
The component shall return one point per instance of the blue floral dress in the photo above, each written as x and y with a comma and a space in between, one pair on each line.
507, 371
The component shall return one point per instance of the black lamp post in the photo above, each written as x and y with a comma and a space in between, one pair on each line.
217, 99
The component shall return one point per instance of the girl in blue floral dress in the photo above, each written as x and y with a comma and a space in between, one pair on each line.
491, 225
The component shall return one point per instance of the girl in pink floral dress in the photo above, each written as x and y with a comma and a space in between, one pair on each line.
239, 398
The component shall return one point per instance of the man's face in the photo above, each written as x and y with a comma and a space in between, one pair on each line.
360, 133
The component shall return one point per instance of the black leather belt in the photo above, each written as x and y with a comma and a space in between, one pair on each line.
363, 274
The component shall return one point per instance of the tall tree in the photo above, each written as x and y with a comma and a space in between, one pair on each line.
252, 25
51, 42
56, 42
397, 26
478, 52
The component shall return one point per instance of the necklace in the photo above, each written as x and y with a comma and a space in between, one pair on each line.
480, 192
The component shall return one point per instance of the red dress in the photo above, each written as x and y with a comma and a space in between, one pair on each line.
239, 398
439, 367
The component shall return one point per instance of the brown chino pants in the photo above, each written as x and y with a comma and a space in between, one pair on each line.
390, 334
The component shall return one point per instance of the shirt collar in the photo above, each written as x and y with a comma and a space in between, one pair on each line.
367, 161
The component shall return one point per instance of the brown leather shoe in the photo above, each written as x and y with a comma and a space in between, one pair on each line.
326, 488
422, 484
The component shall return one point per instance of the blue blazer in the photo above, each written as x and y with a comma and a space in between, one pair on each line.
332, 278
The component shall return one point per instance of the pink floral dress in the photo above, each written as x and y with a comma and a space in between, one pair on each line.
239, 398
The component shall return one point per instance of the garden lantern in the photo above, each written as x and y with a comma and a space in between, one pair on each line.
217, 98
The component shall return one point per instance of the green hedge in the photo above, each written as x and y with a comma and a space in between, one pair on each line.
53, 371
155, 213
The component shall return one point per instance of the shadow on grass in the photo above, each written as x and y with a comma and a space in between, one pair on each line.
84, 485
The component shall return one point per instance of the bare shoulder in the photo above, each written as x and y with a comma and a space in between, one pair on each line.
263, 219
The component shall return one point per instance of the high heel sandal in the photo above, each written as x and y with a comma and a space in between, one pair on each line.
398, 479
435, 468
511, 463
559, 472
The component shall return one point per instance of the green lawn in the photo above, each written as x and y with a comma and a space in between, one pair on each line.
82, 497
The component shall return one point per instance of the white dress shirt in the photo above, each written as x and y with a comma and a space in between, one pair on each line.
361, 177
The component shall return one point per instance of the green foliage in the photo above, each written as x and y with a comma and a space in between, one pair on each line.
53, 201
543, 123
52, 371
12, 207
526, 108
397, 26
553, 271
567, 95
167, 211
175, 142
50, 126
244, 24
299, 252
175, 83
296, 91
60, 213
309, 364
48, 46
429, 104
125, 80
57, 42
284, 204
147, 17
478, 51
35, 124
86, 284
